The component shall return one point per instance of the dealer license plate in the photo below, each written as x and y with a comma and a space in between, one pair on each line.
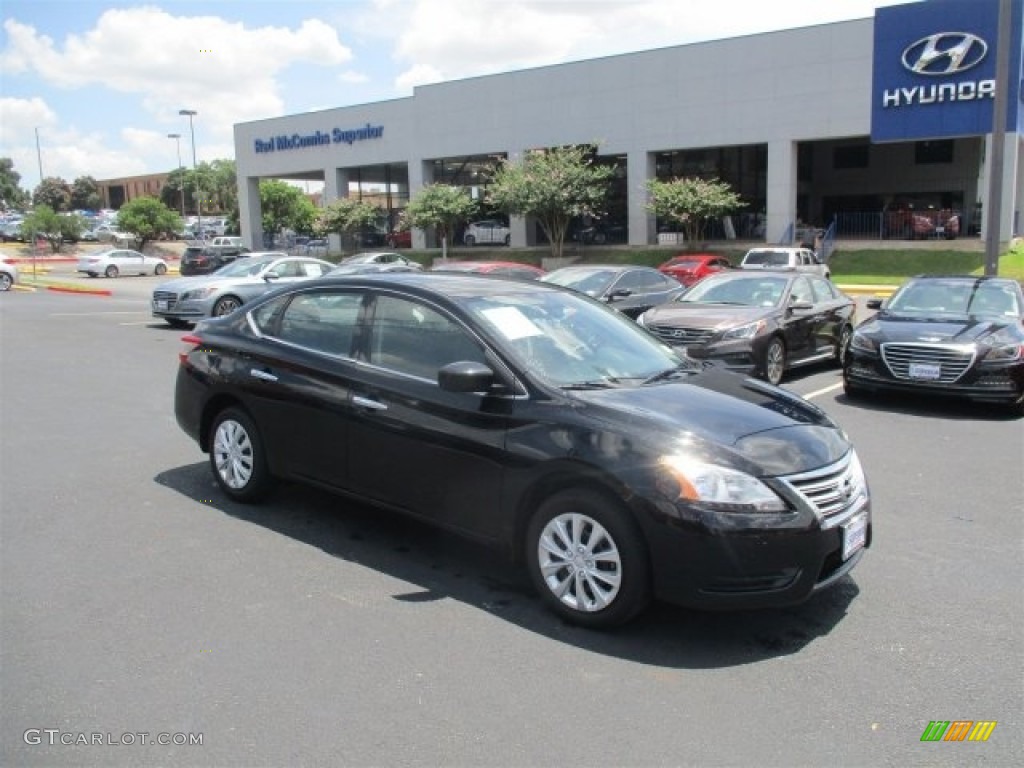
160, 304
940, 230
925, 371
855, 535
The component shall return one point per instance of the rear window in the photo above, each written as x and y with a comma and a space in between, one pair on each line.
769, 258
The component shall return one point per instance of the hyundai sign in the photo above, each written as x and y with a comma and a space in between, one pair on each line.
935, 69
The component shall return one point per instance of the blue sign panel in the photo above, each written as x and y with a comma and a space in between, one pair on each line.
935, 69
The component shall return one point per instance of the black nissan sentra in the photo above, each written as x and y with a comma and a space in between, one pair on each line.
540, 421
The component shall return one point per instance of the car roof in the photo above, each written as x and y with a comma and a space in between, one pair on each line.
453, 284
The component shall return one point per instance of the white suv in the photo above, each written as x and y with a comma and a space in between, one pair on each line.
780, 257
489, 231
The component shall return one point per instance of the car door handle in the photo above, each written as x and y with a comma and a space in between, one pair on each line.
365, 402
256, 373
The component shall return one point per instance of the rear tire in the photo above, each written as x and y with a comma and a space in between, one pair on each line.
237, 456
5, 281
111, 271
225, 305
587, 559
159, 270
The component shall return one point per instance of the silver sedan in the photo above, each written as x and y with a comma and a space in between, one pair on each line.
189, 299
121, 261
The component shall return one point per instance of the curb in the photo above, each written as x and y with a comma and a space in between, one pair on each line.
867, 290
23, 288
79, 291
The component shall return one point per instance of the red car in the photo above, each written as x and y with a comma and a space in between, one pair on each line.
402, 239
690, 268
501, 268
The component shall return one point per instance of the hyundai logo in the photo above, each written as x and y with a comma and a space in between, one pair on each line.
944, 53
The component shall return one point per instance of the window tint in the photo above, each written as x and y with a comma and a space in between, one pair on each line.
638, 280
823, 290
323, 321
415, 339
802, 291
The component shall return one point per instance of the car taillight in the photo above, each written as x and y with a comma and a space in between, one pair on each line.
193, 341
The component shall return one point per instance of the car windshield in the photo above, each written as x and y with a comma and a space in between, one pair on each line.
767, 258
956, 297
752, 291
592, 282
572, 342
245, 267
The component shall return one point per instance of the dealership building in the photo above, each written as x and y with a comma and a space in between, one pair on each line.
852, 124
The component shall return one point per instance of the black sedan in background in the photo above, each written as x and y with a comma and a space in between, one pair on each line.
629, 289
536, 420
958, 335
758, 322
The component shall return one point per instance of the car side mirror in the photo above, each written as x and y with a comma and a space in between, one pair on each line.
465, 376
619, 293
800, 305
875, 303
270, 277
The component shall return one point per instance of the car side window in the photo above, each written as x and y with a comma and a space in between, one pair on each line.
417, 340
323, 321
823, 290
312, 269
801, 291
285, 269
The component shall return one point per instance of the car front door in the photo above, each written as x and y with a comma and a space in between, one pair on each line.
800, 320
414, 445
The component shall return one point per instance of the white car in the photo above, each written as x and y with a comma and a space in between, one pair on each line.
780, 257
121, 261
8, 274
489, 231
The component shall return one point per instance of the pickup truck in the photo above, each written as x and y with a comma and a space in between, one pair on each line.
780, 257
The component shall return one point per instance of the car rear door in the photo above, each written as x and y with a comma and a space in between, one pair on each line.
413, 445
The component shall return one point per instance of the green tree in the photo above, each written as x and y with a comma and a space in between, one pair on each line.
442, 207
11, 193
285, 206
171, 192
43, 221
554, 186
54, 193
691, 203
224, 186
85, 194
347, 216
147, 219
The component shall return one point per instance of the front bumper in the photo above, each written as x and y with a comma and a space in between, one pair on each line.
984, 382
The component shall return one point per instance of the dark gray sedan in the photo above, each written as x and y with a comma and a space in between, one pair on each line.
628, 288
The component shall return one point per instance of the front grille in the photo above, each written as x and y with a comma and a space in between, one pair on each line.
681, 336
833, 489
953, 360
169, 296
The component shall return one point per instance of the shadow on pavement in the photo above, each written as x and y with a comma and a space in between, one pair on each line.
445, 566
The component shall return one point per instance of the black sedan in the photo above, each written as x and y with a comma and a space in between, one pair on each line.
536, 420
958, 335
628, 288
762, 323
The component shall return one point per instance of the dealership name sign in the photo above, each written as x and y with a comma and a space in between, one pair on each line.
349, 136
934, 69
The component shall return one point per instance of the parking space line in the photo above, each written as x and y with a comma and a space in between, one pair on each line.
825, 391
90, 314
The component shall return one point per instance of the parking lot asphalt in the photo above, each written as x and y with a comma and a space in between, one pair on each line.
136, 599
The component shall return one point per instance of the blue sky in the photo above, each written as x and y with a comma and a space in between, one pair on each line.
102, 82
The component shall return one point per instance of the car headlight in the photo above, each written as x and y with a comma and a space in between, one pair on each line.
864, 343
748, 331
1003, 347
720, 488
197, 293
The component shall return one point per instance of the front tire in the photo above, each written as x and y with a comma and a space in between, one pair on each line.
844, 345
226, 305
159, 270
775, 361
110, 271
587, 559
5, 281
237, 456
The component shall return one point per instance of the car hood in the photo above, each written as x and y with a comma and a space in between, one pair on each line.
718, 316
764, 430
886, 327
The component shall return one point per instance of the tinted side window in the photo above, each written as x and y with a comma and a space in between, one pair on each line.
325, 322
415, 339
802, 291
823, 290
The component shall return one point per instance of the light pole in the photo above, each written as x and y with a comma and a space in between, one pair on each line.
199, 201
177, 140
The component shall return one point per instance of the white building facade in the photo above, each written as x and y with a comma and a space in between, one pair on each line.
808, 125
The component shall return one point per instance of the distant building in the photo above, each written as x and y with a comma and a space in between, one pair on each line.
117, 192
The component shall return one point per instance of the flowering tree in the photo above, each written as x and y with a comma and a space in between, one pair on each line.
442, 207
691, 202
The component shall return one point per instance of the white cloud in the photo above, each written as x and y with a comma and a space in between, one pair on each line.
351, 77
